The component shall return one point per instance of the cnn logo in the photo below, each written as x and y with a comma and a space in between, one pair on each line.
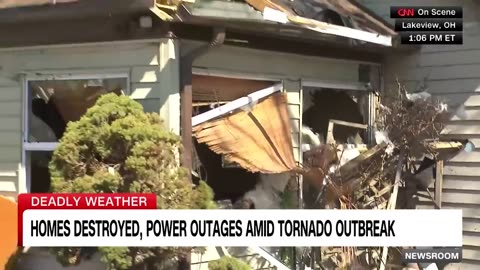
406, 12
403, 12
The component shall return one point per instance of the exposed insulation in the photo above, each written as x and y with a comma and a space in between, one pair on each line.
259, 139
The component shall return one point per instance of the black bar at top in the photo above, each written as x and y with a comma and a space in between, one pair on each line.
425, 25
439, 12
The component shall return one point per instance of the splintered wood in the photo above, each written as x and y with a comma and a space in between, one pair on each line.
258, 138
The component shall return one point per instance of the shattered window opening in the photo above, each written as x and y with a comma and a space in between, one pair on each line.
52, 104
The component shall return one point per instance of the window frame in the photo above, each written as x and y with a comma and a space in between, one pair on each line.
25, 177
350, 86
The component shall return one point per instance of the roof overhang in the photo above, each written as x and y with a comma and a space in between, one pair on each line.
266, 15
22, 11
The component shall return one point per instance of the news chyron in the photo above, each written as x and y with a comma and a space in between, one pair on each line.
429, 25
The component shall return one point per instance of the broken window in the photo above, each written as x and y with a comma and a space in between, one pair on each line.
320, 105
228, 180
51, 104
330, 115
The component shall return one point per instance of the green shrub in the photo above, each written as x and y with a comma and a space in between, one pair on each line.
117, 147
228, 263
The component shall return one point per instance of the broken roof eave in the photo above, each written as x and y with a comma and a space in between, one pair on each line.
186, 14
353, 34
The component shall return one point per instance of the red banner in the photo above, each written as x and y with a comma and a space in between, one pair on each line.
82, 201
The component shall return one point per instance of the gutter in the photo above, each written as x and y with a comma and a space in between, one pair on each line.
186, 111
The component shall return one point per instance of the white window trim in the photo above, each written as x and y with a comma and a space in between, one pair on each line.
24, 175
355, 86
40, 146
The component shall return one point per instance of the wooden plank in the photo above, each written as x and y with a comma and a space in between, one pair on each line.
439, 183
454, 86
293, 97
471, 212
8, 80
461, 185
467, 114
8, 184
464, 128
10, 138
145, 90
296, 139
467, 197
471, 239
294, 111
349, 124
463, 156
392, 202
296, 154
438, 72
454, 100
10, 154
471, 226
475, 141
470, 253
465, 265
145, 74
473, 101
276, 64
95, 56
295, 124
10, 108
9, 167
470, 42
470, 170
12, 93
10, 123
449, 58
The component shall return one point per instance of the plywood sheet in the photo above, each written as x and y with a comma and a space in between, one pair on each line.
258, 140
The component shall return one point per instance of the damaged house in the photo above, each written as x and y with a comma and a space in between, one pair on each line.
450, 73
256, 88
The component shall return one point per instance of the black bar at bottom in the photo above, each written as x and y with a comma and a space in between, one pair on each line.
453, 38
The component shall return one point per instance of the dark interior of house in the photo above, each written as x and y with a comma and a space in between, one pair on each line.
49, 114
332, 104
228, 182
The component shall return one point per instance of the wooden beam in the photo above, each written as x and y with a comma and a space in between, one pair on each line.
392, 203
348, 124
186, 112
439, 183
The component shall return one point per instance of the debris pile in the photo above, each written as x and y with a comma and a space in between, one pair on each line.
255, 133
408, 130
